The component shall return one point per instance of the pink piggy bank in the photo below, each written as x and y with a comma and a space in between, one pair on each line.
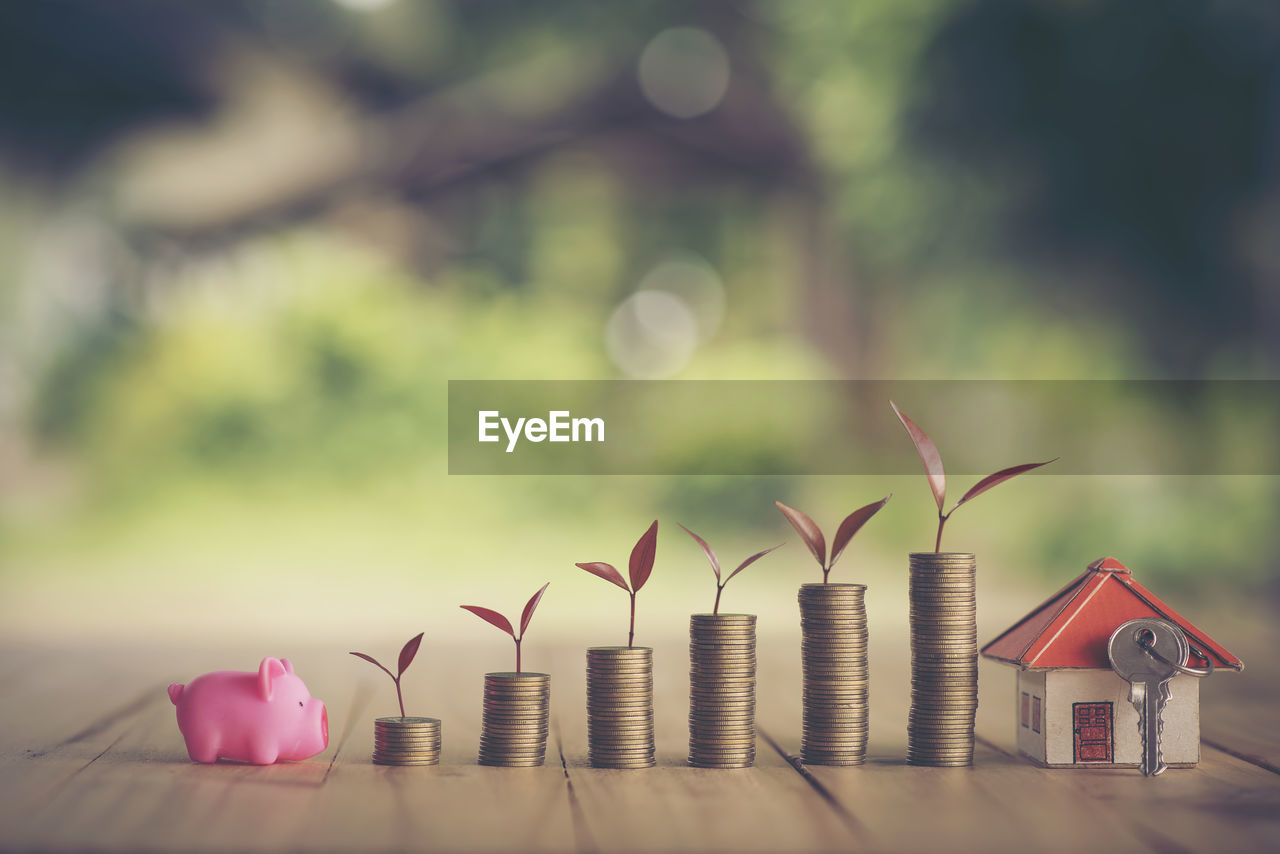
258, 717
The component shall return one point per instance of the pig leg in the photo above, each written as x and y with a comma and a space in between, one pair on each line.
263, 752
202, 751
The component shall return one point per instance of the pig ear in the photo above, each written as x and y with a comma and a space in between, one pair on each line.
268, 670
288, 666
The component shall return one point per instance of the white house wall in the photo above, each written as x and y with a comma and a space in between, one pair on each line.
1180, 740
1030, 742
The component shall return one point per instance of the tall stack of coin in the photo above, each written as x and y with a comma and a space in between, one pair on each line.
833, 622
514, 725
722, 690
944, 659
406, 741
620, 707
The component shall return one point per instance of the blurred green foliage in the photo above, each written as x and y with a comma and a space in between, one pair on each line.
283, 388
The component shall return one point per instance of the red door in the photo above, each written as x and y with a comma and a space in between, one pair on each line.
1092, 724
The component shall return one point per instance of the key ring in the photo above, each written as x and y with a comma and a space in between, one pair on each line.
1146, 640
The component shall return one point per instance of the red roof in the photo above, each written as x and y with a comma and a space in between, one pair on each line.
1072, 628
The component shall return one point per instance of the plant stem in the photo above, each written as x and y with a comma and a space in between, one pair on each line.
399, 697
942, 520
631, 632
716, 609
826, 571
518, 654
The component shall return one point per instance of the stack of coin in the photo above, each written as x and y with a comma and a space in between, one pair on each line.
722, 690
516, 709
406, 741
620, 707
944, 659
833, 623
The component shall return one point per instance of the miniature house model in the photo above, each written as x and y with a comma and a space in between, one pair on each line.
1072, 710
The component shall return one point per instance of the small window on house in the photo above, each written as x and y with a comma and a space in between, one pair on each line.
1035, 714
1026, 709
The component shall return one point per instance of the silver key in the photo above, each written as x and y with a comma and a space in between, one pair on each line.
1143, 653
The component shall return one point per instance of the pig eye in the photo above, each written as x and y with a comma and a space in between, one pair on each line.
299, 704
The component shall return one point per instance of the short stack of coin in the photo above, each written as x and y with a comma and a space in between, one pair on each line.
620, 707
833, 624
514, 725
944, 659
406, 741
722, 690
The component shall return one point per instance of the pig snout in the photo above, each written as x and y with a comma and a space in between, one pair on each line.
314, 737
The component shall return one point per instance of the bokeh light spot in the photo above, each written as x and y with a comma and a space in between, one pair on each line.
364, 5
651, 335
694, 281
684, 72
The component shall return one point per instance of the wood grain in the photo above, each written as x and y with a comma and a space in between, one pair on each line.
91, 760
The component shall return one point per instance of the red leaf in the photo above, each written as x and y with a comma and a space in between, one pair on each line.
998, 478
746, 563
527, 614
852, 524
374, 662
605, 571
928, 455
808, 531
642, 556
409, 650
711, 556
491, 617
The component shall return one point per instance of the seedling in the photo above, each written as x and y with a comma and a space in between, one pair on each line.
812, 534
496, 619
715, 564
639, 569
407, 652
932, 461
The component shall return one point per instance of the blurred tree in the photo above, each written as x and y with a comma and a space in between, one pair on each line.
1134, 146
75, 75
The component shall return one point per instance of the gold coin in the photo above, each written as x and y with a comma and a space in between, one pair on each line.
512, 737
512, 755
605, 735
619, 654
513, 704
411, 721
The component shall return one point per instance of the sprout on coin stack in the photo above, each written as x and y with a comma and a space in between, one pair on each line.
833, 653
516, 703
944, 633
404, 740
722, 678
620, 678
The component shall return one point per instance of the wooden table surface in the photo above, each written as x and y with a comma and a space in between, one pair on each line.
91, 759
